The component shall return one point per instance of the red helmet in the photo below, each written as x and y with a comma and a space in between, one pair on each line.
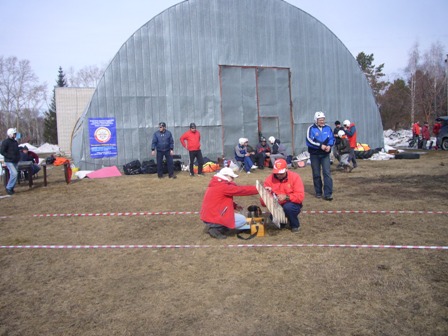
280, 166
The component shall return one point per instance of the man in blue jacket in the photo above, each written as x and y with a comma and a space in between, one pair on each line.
319, 140
163, 143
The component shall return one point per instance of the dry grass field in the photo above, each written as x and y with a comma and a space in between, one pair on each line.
217, 289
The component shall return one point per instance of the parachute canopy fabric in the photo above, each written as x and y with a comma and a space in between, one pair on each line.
104, 172
236, 68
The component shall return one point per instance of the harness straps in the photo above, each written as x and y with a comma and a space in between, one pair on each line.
250, 236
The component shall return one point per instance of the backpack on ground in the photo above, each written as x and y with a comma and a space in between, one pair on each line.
132, 168
177, 165
148, 167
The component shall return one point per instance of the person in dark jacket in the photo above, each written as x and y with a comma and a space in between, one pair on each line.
337, 155
320, 139
11, 153
263, 151
27, 155
163, 143
344, 151
278, 150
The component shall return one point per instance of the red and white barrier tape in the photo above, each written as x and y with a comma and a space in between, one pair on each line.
107, 214
176, 246
375, 212
148, 213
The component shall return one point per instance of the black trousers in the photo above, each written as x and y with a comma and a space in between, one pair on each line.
169, 162
197, 154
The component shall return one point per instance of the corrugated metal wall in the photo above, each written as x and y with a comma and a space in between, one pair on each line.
169, 70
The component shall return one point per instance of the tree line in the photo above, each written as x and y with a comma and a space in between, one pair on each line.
24, 100
420, 94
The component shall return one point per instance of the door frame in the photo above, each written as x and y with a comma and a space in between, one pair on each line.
259, 125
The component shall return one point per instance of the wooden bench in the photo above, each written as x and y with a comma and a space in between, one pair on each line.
24, 166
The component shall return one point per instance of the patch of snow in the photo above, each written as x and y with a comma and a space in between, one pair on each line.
83, 173
48, 148
29, 146
381, 156
398, 138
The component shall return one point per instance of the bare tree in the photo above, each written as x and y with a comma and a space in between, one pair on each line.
426, 82
411, 69
19, 91
433, 67
89, 76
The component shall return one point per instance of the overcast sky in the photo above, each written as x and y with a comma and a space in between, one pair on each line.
79, 33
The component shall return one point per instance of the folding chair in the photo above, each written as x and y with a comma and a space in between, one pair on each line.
241, 164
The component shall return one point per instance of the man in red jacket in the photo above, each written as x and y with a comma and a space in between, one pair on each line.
350, 131
436, 130
290, 192
426, 135
416, 133
218, 208
191, 140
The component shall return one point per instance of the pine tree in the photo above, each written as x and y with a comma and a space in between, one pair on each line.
50, 122
373, 73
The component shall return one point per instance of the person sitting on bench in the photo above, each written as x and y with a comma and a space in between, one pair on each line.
27, 155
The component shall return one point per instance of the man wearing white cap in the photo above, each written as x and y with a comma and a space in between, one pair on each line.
10, 150
350, 131
278, 149
218, 207
320, 139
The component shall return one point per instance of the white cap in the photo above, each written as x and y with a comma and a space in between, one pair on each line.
242, 141
228, 172
11, 131
318, 115
271, 139
346, 123
341, 133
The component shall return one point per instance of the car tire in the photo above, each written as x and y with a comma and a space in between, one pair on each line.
444, 144
407, 156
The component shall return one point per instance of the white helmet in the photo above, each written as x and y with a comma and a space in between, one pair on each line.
346, 123
341, 133
271, 139
11, 131
242, 141
318, 115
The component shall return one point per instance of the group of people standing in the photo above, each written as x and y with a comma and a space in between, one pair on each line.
162, 146
422, 135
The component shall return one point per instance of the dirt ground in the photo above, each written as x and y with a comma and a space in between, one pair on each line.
217, 289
